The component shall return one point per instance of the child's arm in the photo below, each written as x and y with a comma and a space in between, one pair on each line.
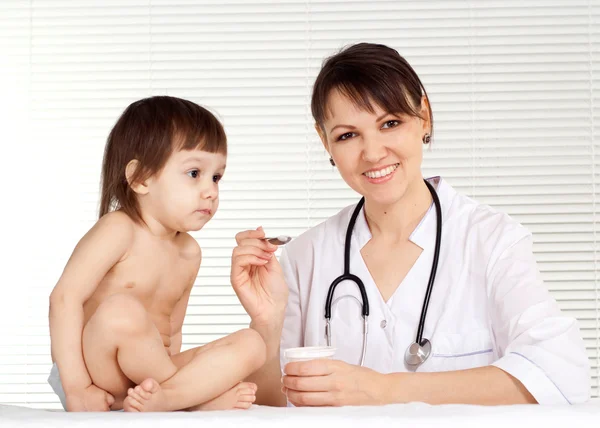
178, 314
97, 252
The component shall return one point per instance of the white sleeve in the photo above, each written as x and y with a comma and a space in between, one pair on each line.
291, 336
539, 345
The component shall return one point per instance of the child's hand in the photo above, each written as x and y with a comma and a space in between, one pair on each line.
90, 399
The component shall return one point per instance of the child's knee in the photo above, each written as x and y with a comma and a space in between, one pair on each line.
122, 313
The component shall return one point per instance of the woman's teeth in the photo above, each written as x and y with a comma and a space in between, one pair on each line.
382, 172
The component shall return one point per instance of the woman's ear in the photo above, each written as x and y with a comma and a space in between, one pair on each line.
424, 113
141, 188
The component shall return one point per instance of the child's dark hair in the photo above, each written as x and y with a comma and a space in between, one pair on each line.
149, 131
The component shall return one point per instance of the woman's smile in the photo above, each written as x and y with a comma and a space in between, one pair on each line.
382, 174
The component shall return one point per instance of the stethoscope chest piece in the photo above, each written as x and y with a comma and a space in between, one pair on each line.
417, 354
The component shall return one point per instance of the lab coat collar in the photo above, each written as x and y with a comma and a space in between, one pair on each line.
424, 233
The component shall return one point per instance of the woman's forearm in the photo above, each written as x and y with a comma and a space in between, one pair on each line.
484, 385
268, 377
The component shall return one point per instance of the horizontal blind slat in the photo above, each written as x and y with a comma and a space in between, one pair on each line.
514, 88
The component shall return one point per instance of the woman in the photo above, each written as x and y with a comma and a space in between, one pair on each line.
495, 334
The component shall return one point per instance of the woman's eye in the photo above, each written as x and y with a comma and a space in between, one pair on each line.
217, 178
345, 136
194, 173
391, 124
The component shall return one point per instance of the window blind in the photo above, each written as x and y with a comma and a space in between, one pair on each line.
514, 87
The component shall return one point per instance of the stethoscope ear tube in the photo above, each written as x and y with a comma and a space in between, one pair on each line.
436, 255
349, 238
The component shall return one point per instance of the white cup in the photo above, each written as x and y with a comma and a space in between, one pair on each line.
307, 353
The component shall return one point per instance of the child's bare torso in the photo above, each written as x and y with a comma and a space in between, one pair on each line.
157, 272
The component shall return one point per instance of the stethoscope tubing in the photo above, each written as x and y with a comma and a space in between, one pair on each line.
347, 276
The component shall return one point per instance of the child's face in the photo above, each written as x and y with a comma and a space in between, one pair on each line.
185, 194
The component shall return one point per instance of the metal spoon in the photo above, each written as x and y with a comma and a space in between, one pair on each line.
279, 240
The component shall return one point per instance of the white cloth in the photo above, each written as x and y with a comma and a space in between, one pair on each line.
56, 384
391, 416
488, 305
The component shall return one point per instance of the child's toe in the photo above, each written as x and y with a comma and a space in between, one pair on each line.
132, 405
142, 392
243, 405
150, 385
135, 396
247, 385
246, 391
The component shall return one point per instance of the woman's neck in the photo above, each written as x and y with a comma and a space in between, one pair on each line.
396, 222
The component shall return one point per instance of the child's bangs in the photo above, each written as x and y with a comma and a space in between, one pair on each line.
206, 134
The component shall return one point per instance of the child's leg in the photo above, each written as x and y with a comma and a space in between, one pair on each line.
241, 396
213, 369
121, 346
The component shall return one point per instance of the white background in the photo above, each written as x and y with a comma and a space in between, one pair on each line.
514, 86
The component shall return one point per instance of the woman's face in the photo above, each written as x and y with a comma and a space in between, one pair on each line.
378, 154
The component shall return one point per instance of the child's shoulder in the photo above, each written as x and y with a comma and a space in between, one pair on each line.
116, 222
110, 238
190, 249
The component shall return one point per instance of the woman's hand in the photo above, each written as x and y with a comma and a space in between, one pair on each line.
257, 278
332, 383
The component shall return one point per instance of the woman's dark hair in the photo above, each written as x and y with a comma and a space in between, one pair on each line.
369, 73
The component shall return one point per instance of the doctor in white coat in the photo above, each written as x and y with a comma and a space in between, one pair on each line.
497, 336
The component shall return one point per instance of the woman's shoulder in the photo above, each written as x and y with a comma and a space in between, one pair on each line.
491, 227
481, 215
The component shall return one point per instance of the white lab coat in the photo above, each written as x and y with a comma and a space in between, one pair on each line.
488, 304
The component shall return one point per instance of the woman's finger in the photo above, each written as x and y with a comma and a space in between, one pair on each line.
249, 234
259, 243
320, 367
244, 261
300, 399
249, 250
308, 383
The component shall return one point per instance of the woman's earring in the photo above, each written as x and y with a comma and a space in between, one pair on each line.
426, 138
331, 161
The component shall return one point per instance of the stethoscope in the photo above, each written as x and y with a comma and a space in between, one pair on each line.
418, 351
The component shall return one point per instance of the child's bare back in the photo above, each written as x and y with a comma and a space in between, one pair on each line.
117, 312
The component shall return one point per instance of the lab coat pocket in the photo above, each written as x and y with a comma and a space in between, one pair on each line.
453, 351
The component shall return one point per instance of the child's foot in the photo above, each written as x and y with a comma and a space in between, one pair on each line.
240, 396
148, 396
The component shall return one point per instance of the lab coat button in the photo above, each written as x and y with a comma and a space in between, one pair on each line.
383, 323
